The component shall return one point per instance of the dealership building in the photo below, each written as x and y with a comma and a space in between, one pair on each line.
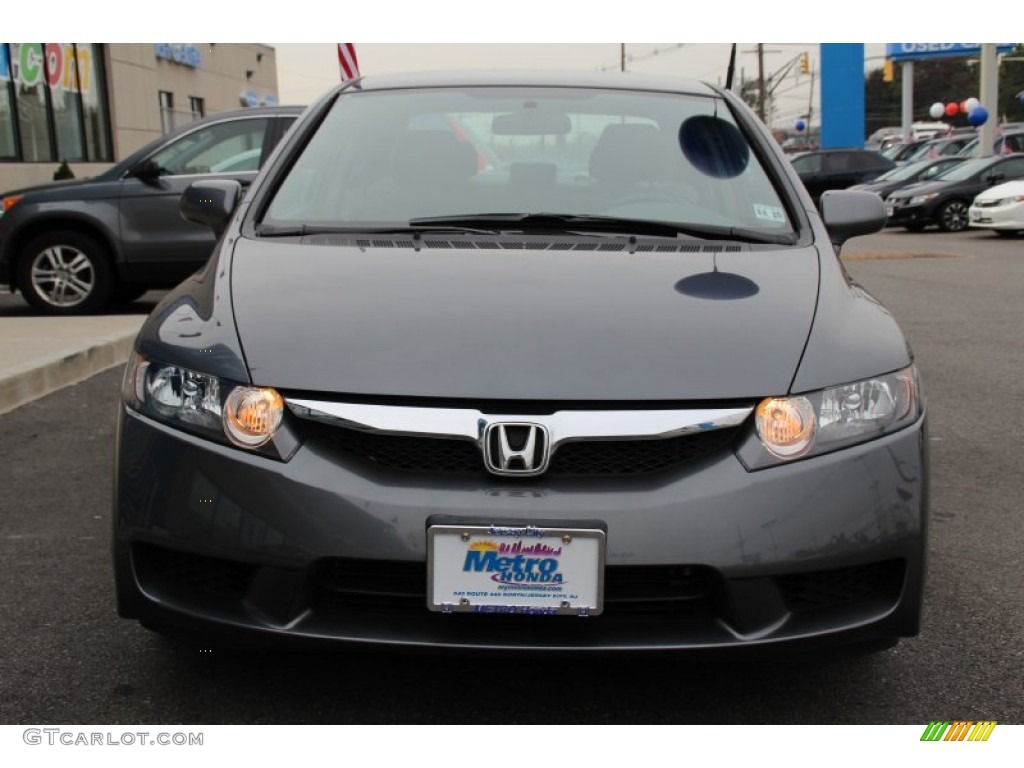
93, 104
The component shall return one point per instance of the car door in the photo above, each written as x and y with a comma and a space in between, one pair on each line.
159, 246
1011, 169
840, 170
811, 171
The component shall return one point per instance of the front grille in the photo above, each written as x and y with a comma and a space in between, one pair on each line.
635, 457
397, 587
805, 592
182, 572
588, 458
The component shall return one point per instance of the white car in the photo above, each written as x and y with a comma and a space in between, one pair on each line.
1000, 209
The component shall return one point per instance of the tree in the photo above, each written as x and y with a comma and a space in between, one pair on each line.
945, 80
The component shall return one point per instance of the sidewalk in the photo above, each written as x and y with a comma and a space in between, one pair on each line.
39, 355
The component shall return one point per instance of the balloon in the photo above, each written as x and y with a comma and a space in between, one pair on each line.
972, 104
952, 109
937, 110
1021, 97
801, 125
978, 116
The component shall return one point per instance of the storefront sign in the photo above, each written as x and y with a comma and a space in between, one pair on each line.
179, 53
60, 64
915, 51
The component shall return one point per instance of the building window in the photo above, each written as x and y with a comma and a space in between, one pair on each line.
53, 103
33, 124
166, 111
197, 106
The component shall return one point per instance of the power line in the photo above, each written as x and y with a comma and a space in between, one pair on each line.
632, 58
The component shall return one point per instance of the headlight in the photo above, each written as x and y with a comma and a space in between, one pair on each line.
788, 428
236, 414
922, 199
1011, 200
9, 202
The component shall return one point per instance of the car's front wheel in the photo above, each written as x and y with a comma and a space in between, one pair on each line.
65, 273
953, 216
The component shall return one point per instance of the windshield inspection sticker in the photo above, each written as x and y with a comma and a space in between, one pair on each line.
769, 213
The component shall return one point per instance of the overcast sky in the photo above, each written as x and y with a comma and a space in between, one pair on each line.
401, 35
306, 70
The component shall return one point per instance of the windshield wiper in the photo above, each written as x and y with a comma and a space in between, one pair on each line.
588, 222
300, 230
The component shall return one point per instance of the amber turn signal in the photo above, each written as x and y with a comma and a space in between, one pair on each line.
786, 425
252, 415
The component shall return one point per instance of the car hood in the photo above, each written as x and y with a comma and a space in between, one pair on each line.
523, 324
878, 186
53, 185
1009, 189
924, 188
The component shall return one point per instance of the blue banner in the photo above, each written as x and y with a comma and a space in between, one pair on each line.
842, 95
916, 51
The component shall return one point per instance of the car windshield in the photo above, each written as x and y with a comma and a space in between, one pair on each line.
903, 172
388, 158
967, 169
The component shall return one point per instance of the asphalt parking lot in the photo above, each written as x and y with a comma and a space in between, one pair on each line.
65, 657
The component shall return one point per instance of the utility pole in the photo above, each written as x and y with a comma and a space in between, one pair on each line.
989, 87
760, 81
622, 56
907, 103
810, 111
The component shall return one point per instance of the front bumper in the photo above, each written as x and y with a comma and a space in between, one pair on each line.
827, 551
1009, 217
903, 215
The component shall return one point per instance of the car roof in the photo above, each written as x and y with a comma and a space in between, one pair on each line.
839, 149
566, 79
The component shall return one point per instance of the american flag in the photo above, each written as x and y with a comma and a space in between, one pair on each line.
347, 61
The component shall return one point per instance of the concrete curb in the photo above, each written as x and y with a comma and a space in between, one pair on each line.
40, 377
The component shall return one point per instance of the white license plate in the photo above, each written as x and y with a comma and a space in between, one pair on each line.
515, 570
888, 210
976, 215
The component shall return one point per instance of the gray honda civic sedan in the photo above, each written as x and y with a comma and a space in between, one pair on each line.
524, 361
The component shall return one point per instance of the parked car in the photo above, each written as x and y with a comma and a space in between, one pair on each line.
1009, 143
945, 147
839, 169
945, 201
70, 248
613, 391
903, 151
907, 175
1000, 209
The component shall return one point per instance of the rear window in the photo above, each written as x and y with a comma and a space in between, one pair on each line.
386, 157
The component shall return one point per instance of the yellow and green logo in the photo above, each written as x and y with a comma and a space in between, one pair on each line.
958, 730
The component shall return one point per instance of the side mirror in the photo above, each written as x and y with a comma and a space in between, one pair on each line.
147, 170
996, 178
210, 203
848, 213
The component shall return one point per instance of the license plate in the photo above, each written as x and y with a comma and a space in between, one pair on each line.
888, 210
976, 215
489, 569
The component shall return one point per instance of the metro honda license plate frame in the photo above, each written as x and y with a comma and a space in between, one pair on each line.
516, 568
